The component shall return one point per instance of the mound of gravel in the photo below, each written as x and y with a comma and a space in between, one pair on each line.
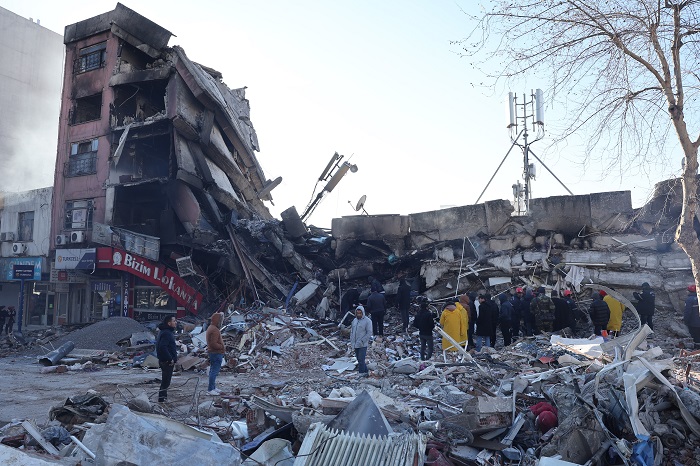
102, 335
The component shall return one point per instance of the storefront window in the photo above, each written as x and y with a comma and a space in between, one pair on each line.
152, 302
105, 297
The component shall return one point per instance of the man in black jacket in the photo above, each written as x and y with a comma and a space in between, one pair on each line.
600, 314
166, 349
425, 323
562, 313
376, 306
485, 321
646, 303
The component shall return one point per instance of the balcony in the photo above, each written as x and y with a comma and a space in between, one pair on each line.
80, 165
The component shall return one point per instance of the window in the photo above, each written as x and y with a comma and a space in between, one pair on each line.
26, 226
86, 109
78, 215
83, 159
90, 58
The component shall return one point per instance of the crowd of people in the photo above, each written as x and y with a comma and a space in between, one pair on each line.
472, 321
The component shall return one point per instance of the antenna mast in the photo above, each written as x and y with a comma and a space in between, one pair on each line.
529, 113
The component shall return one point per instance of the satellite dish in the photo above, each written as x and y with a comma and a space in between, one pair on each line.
361, 203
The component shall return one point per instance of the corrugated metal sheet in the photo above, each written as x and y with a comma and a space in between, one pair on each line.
329, 447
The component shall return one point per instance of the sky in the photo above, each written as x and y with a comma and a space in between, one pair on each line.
379, 82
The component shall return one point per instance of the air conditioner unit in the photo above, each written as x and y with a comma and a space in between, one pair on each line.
61, 240
18, 248
77, 237
7, 236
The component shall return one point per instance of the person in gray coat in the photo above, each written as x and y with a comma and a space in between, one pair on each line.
360, 332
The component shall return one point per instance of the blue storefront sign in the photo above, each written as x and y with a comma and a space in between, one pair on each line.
7, 267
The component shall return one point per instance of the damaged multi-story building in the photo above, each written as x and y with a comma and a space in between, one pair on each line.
155, 161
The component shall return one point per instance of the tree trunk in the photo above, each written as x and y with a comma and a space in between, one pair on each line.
686, 237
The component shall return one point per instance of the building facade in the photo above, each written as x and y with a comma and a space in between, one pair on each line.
155, 159
25, 223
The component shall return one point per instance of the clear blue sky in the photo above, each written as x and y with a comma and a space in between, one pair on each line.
375, 80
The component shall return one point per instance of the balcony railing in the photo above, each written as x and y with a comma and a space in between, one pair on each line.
80, 165
91, 61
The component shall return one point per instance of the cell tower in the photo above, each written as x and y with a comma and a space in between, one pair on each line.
521, 115
526, 118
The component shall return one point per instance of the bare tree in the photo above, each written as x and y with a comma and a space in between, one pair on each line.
622, 66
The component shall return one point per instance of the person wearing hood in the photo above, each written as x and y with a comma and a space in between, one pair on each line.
600, 314
691, 315
360, 333
646, 303
216, 350
464, 310
505, 318
451, 322
166, 350
616, 309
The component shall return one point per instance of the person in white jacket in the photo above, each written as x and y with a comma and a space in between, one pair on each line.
360, 332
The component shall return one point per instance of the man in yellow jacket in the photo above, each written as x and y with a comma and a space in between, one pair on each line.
451, 322
616, 310
463, 307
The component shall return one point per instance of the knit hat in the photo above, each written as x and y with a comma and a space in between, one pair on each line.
540, 289
567, 292
692, 289
518, 290
602, 293
646, 285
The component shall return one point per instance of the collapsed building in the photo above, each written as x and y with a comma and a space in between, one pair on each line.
155, 163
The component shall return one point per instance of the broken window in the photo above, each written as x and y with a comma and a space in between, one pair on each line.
86, 109
83, 158
78, 214
26, 226
90, 58
137, 103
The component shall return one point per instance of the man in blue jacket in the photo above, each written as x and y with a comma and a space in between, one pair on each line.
166, 349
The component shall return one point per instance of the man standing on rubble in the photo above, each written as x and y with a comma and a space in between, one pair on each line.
403, 300
542, 310
425, 323
360, 332
528, 318
376, 306
646, 303
216, 350
517, 302
484, 322
691, 316
616, 309
573, 309
600, 314
166, 350
561, 312
505, 318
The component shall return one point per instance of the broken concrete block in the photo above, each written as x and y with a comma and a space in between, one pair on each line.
445, 254
534, 256
501, 262
501, 244
433, 272
307, 292
526, 241
405, 367
314, 400
493, 281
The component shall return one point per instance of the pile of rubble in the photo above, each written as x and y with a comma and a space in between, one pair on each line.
296, 399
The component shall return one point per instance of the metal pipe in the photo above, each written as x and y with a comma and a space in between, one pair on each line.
56, 355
